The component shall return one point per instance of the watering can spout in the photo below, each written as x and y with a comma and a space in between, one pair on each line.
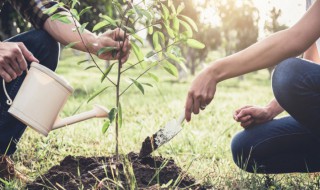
97, 111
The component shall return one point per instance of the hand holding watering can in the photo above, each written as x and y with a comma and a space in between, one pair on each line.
41, 97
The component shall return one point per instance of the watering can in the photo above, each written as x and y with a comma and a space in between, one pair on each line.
41, 97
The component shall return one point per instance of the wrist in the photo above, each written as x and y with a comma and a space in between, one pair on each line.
91, 42
215, 71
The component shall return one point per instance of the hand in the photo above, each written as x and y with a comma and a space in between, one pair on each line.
114, 38
13, 59
252, 115
200, 93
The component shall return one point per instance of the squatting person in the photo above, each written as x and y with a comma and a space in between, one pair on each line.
267, 145
41, 45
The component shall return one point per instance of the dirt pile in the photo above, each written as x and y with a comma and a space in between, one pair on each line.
75, 173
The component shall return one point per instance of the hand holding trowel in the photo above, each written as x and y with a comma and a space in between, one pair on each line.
162, 136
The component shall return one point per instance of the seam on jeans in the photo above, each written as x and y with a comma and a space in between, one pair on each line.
253, 147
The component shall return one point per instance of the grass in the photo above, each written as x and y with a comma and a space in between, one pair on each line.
202, 147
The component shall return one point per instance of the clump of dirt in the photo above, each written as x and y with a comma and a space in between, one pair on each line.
102, 173
148, 146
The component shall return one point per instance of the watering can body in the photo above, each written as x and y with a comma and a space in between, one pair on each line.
41, 97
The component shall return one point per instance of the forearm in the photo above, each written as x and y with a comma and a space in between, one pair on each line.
274, 108
263, 54
67, 33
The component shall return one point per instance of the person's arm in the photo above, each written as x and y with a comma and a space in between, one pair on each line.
264, 54
67, 33
253, 115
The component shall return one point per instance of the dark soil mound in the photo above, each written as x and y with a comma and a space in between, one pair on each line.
75, 173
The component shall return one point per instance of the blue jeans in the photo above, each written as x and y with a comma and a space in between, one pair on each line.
46, 50
289, 144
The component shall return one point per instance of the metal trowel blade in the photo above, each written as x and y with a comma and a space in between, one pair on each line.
164, 135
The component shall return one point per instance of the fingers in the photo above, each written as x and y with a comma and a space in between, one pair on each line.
8, 70
188, 107
247, 123
27, 54
5, 75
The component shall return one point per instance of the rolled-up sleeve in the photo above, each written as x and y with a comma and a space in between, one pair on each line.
34, 10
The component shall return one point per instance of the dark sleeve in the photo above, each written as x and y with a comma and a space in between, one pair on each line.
34, 10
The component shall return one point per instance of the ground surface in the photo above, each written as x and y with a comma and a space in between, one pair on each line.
108, 173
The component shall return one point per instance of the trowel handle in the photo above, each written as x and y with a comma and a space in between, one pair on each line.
181, 117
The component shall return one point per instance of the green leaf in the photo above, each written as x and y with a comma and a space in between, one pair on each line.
137, 51
97, 93
138, 85
155, 78
61, 18
172, 57
112, 114
90, 67
150, 30
110, 20
155, 39
74, 2
120, 115
147, 84
176, 24
106, 126
84, 10
130, 30
190, 21
83, 27
137, 37
74, 13
70, 45
64, 19
180, 8
105, 50
162, 38
99, 25
187, 27
165, 12
146, 14
106, 72
83, 61
173, 9
195, 44
170, 68
169, 31
51, 9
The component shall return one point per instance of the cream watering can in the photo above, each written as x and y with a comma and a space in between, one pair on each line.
41, 97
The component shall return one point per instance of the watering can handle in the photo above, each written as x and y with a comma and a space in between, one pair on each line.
9, 101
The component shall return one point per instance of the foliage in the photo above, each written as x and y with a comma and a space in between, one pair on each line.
134, 17
239, 24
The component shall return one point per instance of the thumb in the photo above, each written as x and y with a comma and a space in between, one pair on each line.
27, 54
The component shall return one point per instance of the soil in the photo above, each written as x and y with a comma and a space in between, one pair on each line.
148, 146
102, 173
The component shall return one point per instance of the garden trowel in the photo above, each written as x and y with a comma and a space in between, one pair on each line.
162, 136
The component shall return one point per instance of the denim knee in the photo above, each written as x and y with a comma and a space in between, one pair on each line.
49, 50
286, 81
241, 152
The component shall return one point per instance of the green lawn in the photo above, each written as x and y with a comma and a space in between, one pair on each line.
203, 144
